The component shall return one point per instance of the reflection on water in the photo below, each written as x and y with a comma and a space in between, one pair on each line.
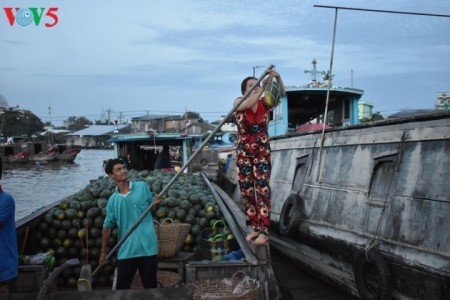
36, 186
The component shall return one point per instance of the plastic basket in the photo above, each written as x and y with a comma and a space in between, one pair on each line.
213, 244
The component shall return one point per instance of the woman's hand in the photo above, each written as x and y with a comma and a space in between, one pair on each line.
273, 73
276, 75
266, 81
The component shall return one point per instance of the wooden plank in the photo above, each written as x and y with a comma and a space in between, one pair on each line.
233, 217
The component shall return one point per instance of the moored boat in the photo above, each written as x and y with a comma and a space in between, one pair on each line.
363, 206
41, 158
39, 153
67, 156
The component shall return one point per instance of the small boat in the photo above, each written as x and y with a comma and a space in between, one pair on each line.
13, 159
216, 151
67, 156
36, 153
41, 158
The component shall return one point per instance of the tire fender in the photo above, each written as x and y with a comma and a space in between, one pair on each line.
290, 216
372, 276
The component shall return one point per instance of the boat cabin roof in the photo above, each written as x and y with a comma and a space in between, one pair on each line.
307, 103
170, 138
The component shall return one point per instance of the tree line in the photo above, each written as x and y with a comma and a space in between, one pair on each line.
18, 122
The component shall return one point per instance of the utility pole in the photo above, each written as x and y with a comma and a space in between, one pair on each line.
50, 114
256, 67
109, 115
351, 79
185, 121
51, 130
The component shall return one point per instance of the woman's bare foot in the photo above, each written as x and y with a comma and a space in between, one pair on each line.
261, 240
252, 236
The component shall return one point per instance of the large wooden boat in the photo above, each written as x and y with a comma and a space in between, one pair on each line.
53, 229
363, 206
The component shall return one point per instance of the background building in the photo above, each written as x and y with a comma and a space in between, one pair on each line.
443, 100
95, 136
364, 110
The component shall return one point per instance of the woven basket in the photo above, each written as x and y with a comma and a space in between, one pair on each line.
165, 279
239, 287
171, 237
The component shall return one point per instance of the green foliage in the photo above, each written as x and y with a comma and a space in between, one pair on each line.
15, 122
375, 117
74, 123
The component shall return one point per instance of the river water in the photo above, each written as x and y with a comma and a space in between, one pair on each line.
36, 186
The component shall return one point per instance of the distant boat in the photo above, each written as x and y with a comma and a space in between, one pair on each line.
36, 153
67, 155
43, 158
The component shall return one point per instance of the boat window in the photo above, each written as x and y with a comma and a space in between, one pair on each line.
300, 173
381, 179
347, 109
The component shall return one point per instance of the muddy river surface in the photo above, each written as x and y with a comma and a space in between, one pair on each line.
36, 186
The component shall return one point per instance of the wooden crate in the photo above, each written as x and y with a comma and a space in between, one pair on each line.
30, 278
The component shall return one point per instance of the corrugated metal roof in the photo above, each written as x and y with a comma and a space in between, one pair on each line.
54, 131
96, 130
152, 117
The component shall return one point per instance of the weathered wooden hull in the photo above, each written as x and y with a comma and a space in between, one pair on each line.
383, 186
65, 158
41, 158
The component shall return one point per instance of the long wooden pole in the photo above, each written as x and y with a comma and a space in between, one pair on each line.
186, 164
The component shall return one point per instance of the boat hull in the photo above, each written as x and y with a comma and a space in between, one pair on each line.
381, 186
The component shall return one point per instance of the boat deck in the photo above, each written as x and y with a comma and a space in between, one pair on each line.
294, 284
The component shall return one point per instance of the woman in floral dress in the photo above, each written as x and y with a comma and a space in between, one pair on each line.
253, 156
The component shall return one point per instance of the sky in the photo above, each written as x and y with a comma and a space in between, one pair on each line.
124, 59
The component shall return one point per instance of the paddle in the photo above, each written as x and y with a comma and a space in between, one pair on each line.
186, 164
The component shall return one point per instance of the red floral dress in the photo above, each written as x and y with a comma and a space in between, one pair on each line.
253, 165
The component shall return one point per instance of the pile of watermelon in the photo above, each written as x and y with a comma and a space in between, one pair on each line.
64, 229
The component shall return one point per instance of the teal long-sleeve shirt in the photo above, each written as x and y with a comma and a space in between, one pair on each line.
124, 211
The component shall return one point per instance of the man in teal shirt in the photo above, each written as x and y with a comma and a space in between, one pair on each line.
139, 251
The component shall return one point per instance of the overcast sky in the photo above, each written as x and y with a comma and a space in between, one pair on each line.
162, 57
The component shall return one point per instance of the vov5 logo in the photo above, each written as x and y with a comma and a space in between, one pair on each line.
26, 16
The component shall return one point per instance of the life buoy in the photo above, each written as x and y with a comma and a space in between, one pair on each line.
372, 276
290, 216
